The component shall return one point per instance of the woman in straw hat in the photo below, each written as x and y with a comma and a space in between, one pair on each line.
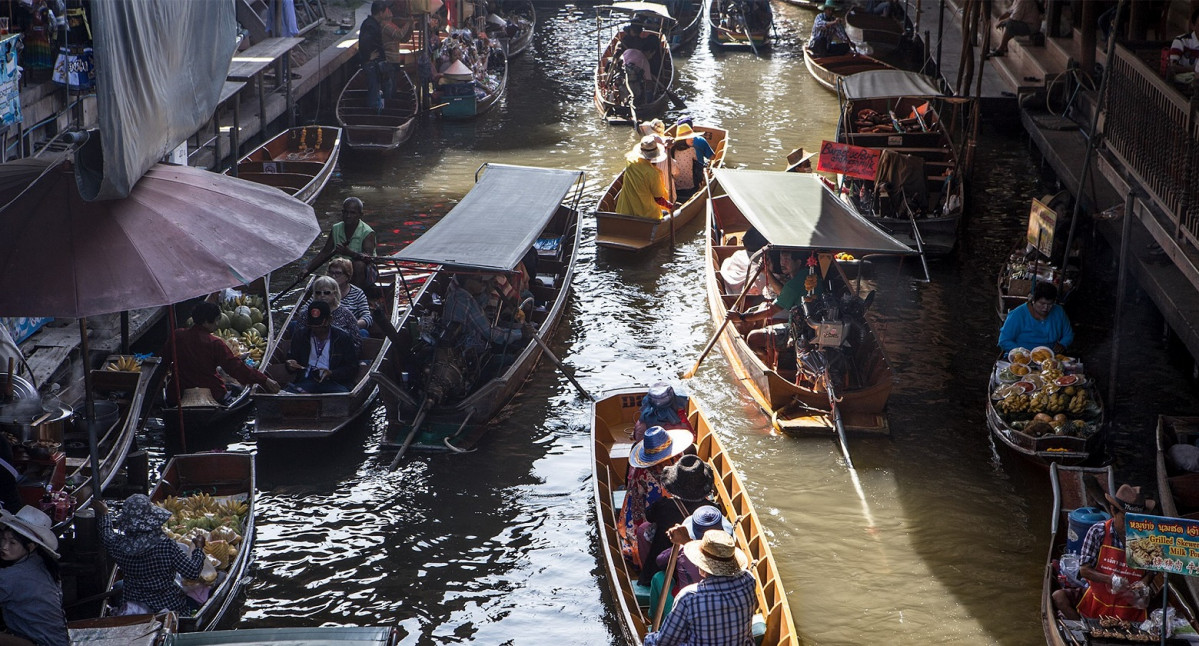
643, 483
30, 591
689, 483
147, 557
720, 608
688, 153
642, 191
692, 528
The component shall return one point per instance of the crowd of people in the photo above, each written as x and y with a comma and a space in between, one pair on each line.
663, 171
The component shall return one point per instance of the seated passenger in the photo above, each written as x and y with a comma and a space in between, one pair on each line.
643, 191
662, 407
324, 288
735, 269
689, 483
30, 590
720, 608
685, 572
1040, 321
324, 358
643, 483
800, 285
462, 306
353, 298
639, 75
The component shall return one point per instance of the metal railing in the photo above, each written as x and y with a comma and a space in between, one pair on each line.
1152, 128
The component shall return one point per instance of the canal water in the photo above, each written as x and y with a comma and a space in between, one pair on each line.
939, 536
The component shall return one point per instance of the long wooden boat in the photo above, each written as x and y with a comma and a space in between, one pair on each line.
200, 418
611, 91
882, 34
903, 112
1177, 489
741, 23
437, 398
324, 636
797, 212
828, 70
223, 476
1016, 278
289, 416
129, 630
688, 16
1073, 487
517, 20
1020, 391
366, 128
813, 5
634, 233
297, 161
470, 95
611, 441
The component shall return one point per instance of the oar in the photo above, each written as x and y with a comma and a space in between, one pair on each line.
916, 234
715, 337
670, 565
557, 362
837, 422
291, 287
670, 187
416, 422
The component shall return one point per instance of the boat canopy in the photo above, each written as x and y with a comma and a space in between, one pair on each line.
655, 8
887, 83
498, 221
797, 211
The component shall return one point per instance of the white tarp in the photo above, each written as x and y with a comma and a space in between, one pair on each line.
160, 65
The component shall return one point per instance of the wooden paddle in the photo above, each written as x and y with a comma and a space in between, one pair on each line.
293, 285
670, 566
558, 362
715, 337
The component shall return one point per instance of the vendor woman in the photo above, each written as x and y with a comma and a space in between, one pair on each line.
1040, 321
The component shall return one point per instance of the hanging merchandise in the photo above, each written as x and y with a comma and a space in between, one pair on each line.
10, 93
75, 68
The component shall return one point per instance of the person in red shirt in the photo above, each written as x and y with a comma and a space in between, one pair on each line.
200, 354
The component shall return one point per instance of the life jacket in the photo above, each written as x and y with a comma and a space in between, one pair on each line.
1099, 600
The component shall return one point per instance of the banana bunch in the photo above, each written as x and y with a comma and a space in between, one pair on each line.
1078, 403
1056, 403
844, 256
201, 503
1014, 404
1039, 402
124, 364
172, 504
223, 552
1051, 375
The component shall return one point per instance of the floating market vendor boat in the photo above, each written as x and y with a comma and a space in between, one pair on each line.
881, 34
611, 441
213, 494
619, 98
511, 24
634, 233
1177, 488
829, 70
1037, 257
1044, 408
475, 83
367, 128
297, 161
518, 223
842, 379
688, 15
917, 191
741, 23
286, 415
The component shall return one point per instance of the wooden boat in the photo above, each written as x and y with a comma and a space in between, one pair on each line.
741, 23
813, 5
130, 630
201, 418
220, 475
882, 34
366, 128
297, 161
688, 15
1177, 490
926, 181
437, 397
797, 212
614, 98
1015, 280
828, 70
611, 441
324, 635
288, 416
634, 233
1013, 401
1073, 487
470, 94
513, 25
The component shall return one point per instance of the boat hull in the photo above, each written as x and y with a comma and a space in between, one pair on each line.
298, 161
611, 441
613, 102
828, 69
366, 128
753, 33
1177, 491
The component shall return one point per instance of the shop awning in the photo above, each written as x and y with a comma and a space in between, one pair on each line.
797, 211
887, 83
498, 220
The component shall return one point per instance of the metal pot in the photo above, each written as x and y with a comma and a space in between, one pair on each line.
32, 424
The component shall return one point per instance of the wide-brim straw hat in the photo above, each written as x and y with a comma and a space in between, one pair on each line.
797, 157
459, 71
689, 480
34, 524
717, 554
197, 397
649, 148
684, 131
1130, 499
140, 515
659, 445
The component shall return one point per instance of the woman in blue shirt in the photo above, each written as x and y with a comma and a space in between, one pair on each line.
1040, 321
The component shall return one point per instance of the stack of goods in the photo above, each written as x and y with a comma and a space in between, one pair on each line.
1041, 393
123, 363
218, 520
242, 328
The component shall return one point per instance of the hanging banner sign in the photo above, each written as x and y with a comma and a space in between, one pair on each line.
1041, 222
1162, 544
852, 161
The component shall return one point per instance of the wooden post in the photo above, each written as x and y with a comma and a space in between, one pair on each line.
1087, 43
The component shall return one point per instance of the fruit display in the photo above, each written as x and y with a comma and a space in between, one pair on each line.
1045, 399
241, 326
124, 363
218, 520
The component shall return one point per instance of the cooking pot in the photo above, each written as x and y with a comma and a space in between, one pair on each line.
32, 424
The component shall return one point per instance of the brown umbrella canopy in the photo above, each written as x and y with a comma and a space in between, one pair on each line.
181, 233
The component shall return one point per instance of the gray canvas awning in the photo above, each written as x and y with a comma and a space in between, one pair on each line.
797, 211
888, 83
640, 7
498, 220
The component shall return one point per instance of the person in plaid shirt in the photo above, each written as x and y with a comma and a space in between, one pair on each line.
147, 557
717, 611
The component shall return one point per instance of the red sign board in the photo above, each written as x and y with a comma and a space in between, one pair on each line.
852, 161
